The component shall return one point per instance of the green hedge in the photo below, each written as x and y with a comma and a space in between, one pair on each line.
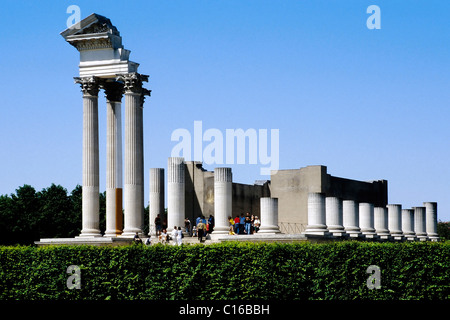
228, 271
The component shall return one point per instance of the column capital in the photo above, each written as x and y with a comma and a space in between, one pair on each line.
89, 85
113, 90
133, 82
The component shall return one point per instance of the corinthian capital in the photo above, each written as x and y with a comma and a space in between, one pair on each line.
89, 85
113, 90
132, 82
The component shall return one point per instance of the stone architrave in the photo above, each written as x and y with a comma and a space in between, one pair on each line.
408, 224
366, 220
175, 192
134, 153
431, 220
351, 218
381, 222
334, 216
90, 189
269, 215
316, 215
114, 183
223, 194
395, 221
419, 223
156, 197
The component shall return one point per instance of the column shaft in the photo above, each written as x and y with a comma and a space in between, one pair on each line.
156, 197
334, 216
408, 224
419, 223
222, 199
90, 194
380, 218
431, 220
366, 220
316, 215
269, 215
175, 192
351, 218
395, 221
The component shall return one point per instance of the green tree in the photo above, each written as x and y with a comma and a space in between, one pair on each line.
443, 230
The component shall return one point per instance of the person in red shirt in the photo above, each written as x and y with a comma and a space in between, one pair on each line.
236, 224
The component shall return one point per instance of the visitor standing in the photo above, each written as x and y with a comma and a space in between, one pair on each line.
248, 223
158, 225
236, 224
187, 225
174, 235
257, 223
179, 236
241, 224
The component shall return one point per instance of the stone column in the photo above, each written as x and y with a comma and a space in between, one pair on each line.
223, 194
380, 218
316, 215
175, 192
156, 197
351, 218
90, 195
334, 216
408, 224
134, 153
269, 215
366, 220
419, 223
431, 220
114, 216
395, 221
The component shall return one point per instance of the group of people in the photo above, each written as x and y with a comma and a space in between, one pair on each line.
244, 224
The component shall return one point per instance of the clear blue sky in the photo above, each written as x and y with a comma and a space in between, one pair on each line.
368, 104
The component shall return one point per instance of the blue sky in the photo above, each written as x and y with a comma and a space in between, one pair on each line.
368, 104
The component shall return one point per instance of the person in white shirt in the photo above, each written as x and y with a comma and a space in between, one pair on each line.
174, 235
179, 236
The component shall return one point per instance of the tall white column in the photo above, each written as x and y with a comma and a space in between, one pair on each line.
114, 219
351, 218
175, 192
380, 217
222, 199
156, 197
419, 223
366, 220
134, 148
408, 224
334, 216
90, 193
269, 215
316, 215
431, 220
395, 221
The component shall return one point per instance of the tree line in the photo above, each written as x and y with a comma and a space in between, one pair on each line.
29, 215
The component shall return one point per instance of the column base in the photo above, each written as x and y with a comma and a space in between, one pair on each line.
112, 233
89, 233
269, 229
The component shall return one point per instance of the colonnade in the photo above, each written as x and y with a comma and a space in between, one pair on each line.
332, 216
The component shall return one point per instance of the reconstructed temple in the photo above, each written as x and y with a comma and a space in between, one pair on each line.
308, 202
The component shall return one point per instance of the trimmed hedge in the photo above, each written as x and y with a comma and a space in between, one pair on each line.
228, 271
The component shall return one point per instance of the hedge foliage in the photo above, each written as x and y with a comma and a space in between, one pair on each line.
228, 271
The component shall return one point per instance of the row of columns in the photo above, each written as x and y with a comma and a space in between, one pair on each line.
133, 191
332, 216
223, 195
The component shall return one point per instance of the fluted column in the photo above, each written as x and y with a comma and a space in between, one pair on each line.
134, 153
223, 195
90, 189
431, 220
350, 218
316, 215
395, 221
156, 197
334, 216
380, 218
419, 223
269, 215
114, 219
408, 224
175, 192
366, 220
